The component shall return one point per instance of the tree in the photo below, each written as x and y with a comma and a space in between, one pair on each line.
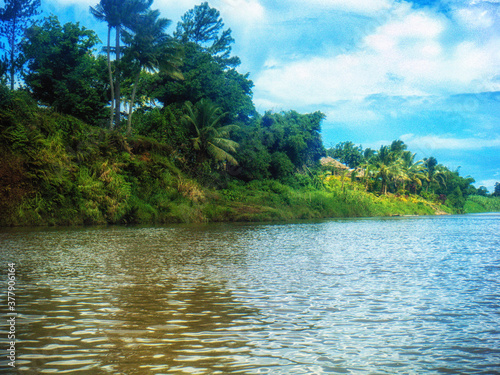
347, 153
387, 165
203, 26
496, 192
254, 158
208, 69
281, 166
118, 14
149, 48
63, 72
205, 78
483, 191
457, 189
412, 171
297, 135
107, 11
211, 140
434, 173
15, 18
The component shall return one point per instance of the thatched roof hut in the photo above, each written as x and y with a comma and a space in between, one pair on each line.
333, 163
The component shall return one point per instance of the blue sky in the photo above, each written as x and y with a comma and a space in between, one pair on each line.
426, 72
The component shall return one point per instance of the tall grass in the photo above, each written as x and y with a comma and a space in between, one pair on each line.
270, 200
478, 204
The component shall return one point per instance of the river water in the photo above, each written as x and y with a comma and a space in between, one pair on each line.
364, 296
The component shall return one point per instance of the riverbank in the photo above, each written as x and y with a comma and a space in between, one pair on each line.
109, 199
58, 170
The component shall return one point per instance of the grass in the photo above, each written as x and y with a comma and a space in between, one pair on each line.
478, 204
269, 201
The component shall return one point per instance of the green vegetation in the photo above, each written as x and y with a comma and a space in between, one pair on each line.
15, 17
195, 149
478, 203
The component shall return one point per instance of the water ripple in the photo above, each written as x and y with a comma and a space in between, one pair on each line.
384, 296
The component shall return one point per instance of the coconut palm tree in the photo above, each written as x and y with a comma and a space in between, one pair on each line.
413, 171
211, 140
150, 48
107, 11
434, 173
118, 14
387, 166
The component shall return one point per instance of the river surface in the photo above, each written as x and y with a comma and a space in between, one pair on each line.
365, 296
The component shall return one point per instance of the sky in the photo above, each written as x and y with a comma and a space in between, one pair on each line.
424, 71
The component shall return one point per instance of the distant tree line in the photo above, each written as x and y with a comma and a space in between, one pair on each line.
394, 169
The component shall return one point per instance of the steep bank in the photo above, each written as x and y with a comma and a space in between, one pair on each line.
57, 170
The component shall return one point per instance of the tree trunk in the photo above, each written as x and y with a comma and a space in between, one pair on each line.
131, 106
117, 75
12, 42
111, 85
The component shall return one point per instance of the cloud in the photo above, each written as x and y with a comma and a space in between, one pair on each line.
243, 11
489, 184
358, 6
436, 142
475, 18
408, 54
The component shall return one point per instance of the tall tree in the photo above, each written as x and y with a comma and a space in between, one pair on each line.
208, 68
15, 18
496, 191
434, 173
118, 14
63, 72
205, 78
388, 166
150, 48
412, 171
203, 26
107, 11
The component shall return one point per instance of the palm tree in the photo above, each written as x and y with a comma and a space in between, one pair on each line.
107, 11
118, 14
211, 140
434, 173
387, 166
413, 171
150, 49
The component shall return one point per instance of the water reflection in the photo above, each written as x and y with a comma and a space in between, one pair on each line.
346, 296
101, 299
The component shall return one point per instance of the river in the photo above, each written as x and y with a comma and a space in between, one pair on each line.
360, 296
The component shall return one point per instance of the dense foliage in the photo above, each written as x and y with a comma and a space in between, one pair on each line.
191, 146
62, 71
394, 169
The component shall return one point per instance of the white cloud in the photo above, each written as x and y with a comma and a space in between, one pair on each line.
358, 6
405, 56
354, 112
436, 142
243, 11
414, 25
489, 184
475, 18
